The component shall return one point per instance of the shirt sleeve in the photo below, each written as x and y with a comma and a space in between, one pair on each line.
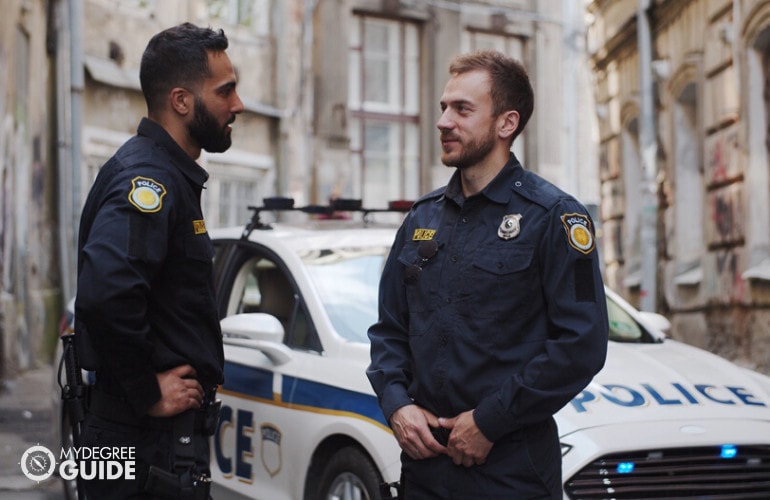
389, 372
577, 329
119, 260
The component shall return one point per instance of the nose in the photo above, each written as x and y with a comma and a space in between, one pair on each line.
444, 121
237, 105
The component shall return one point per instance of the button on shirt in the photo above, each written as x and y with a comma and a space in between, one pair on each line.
145, 285
509, 321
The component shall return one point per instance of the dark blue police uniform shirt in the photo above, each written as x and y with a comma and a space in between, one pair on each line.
145, 285
511, 322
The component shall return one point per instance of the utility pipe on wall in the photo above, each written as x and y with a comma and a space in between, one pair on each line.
648, 145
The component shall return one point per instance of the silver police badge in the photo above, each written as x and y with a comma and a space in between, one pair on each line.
510, 226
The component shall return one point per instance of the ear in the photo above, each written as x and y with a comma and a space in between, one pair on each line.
181, 100
507, 123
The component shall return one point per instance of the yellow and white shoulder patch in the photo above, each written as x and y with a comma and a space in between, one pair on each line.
146, 194
579, 234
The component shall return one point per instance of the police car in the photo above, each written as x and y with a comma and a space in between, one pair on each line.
299, 419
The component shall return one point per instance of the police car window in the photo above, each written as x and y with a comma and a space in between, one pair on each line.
623, 327
262, 286
347, 281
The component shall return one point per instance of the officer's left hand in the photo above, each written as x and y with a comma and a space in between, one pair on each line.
179, 391
467, 445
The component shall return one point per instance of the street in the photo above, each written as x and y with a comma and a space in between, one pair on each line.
25, 421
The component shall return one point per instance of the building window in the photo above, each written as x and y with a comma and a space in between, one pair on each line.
632, 213
384, 104
758, 158
254, 14
688, 179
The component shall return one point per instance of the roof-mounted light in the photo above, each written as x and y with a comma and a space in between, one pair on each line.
280, 203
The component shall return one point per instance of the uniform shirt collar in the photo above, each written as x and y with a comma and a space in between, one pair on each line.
181, 160
498, 190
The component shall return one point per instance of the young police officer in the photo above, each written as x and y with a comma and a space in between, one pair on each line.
145, 309
492, 308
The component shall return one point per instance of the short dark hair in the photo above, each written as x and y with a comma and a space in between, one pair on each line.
177, 57
510, 87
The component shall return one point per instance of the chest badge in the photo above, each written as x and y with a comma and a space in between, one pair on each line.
510, 227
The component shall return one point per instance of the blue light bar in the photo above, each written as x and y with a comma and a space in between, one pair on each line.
625, 467
728, 451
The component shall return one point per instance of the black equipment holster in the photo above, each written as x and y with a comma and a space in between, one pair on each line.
186, 482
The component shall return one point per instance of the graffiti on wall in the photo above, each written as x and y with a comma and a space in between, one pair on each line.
721, 156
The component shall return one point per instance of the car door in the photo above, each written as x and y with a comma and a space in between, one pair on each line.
258, 449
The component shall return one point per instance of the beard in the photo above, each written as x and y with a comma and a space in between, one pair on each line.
473, 152
205, 130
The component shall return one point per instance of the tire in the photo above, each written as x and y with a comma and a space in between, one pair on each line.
348, 475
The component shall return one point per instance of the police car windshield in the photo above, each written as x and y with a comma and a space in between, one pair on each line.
623, 326
347, 280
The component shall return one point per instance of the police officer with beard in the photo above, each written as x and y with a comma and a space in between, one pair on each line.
492, 311
146, 316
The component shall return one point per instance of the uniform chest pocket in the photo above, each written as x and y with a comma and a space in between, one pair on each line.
503, 261
199, 247
502, 279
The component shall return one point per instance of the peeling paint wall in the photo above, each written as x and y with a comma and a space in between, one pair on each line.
28, 269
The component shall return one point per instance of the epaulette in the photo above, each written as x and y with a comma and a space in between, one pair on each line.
538, 190
433, 195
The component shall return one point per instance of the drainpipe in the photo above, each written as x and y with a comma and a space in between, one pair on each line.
648, 153
69, 93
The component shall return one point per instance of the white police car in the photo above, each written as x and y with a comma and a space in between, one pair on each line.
299, 419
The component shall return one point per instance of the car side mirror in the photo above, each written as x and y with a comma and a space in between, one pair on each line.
260, 331
656, 321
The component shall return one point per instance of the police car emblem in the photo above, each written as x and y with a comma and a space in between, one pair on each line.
146, 194
579, 233
271, 449
510, 226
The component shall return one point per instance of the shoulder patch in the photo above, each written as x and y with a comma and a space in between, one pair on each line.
146, 194
579, 234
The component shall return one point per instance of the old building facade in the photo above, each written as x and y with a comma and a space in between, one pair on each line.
341, 99
698, 194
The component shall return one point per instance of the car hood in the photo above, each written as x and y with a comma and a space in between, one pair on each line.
666, 381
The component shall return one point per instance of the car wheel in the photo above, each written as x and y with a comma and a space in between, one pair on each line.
349, 475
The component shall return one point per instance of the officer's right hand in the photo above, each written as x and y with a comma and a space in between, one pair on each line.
179, 391
411, 425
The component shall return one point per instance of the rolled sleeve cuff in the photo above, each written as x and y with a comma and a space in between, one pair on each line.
393, 399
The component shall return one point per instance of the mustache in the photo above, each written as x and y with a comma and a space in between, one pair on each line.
445, 136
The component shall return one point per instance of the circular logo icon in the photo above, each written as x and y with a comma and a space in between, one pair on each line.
38, 463
581, 237
145, 198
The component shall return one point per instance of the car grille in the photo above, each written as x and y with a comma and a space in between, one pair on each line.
713, 473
